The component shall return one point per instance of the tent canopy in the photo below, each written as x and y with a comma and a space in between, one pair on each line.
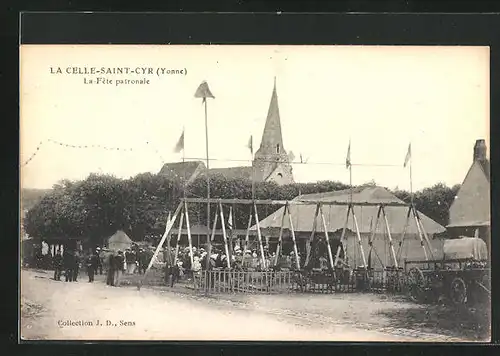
335, 215
465, 248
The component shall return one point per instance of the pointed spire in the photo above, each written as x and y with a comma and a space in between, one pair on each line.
272, 136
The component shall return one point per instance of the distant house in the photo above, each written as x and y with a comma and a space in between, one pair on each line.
271, 162
119, 241
335, 215
470, 211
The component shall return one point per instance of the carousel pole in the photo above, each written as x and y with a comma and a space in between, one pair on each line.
311, 238
372, 235
330, 257
228, 257
204, 92
259, 235
179, 234
280, 238
390, 238
292, 231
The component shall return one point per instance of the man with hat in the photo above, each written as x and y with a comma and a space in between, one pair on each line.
92, 264
119, 267
99, 260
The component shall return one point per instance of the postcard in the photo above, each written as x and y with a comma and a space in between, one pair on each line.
255, 193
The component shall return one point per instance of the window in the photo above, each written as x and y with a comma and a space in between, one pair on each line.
278, 148
280, 175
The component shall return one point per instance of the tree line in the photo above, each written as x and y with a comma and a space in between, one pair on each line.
98, 206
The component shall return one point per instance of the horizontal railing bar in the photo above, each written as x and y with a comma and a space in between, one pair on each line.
289, 202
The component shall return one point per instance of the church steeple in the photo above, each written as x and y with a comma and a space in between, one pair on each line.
271, 157
272, 139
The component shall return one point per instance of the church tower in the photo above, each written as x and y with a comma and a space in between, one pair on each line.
271, 161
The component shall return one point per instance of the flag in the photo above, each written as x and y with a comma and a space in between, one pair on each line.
250, 144
180, 144
348, 157
230, 219
408, 155
204, 92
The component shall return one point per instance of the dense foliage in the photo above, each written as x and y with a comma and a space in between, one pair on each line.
99, 205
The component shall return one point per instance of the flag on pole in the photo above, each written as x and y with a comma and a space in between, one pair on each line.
408, 155
204, 92
348, 157
250, 144
230, 219
180, 144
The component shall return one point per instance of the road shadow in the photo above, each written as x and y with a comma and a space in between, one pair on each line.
461, 322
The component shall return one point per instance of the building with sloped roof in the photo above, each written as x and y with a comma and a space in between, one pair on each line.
119, 241
335, 216
470, 211
271, 161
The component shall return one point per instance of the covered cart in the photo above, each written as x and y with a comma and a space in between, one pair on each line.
462, 275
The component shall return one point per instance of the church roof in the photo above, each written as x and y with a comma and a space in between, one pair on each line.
233, 172
181, 170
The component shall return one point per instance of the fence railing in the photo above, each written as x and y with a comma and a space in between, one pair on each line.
223, 281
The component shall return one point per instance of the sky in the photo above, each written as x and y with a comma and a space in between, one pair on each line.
380, 98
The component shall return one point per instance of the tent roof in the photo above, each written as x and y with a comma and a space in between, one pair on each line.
303, 215
120, 236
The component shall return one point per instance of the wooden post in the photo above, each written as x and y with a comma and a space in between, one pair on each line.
358, 235
311, 238
389, 237
169, 236
189, 235
372, 235
228, 257
179, 234
426, 237
404, 233
246, 238
295, 249
419, 232
342, 237
280, 238
215, 223
259, 237
168, 227
330, 257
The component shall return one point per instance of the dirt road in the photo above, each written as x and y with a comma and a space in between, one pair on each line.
84, 311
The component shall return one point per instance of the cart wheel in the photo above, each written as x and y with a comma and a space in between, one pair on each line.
416, 284
458, 291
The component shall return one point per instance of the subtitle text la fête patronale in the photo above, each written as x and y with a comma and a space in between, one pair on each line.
115, 82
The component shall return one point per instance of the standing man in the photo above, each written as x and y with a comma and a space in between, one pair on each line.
76, 266
58, 265
130, 258
110, 280
100, 260
143, 261
92, 264
68, 262
119, 267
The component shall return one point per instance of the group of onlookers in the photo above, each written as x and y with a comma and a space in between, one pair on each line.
70, 262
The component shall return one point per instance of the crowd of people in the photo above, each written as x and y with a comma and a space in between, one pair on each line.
70, 262
239, 260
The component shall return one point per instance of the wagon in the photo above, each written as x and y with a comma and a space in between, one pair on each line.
462, 276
